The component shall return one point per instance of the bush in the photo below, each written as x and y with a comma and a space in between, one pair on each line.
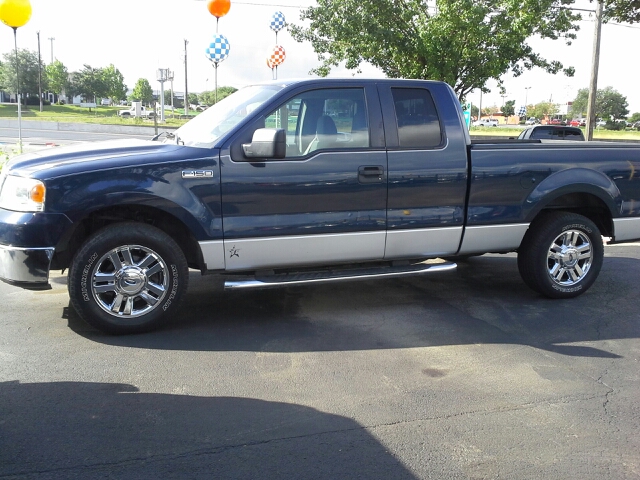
611, 125
36, 101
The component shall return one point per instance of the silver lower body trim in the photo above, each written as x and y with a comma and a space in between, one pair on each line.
25, 265
493, 238
424, 242
626, 229
213, 254
279, 252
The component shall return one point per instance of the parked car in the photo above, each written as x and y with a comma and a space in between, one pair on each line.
486, 122
636, 125
532, 121
277, 186
131, 112
557, 121
551, 132
575, 122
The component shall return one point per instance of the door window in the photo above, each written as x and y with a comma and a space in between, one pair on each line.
416, 117
322, 119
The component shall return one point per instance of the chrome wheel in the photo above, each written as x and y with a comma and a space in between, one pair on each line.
570, 257
129, 281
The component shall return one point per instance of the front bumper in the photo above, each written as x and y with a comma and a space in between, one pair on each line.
26, 267
27, 246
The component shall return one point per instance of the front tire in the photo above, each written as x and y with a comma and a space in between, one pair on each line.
561, 255
128, 278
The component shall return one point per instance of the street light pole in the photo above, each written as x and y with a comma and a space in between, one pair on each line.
593, 85
526, 95
51, 39
39, 73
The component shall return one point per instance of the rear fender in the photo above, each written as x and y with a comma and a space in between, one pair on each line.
573, 180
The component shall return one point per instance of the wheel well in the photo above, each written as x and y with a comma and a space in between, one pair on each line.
587, 205
173, 227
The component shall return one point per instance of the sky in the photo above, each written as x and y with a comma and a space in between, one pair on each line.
140, 36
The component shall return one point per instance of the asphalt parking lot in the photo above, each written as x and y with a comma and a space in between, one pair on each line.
463, 375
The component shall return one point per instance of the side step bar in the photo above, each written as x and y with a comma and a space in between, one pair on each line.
299, 278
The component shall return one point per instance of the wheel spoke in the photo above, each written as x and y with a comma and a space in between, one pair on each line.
572, 274
115, 260
554, 270
153, 270
559, 274
146, 261
157, 290
104, 288
117, 303
578, 270
128, 306
150, 299
126, 254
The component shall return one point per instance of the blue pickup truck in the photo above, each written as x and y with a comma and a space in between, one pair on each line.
309, 181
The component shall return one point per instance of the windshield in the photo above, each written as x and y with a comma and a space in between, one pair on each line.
206, 128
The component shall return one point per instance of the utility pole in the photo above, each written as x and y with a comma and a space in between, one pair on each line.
51, 39
39, 73
186, 92
593, 85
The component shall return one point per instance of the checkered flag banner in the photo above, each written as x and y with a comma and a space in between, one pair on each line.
218, 49
522, 111
277, 22
276, 57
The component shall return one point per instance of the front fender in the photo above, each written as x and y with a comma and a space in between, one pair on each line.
573, 180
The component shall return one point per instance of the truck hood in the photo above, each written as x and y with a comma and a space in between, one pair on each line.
61, 161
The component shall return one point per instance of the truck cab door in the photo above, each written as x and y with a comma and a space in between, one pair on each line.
427, 169
325, 202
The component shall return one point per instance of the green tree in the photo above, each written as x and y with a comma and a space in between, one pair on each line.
462, 42
115, 88
626, 11
609, 103
209, 98
28, 62
57, 77
634, 118
142, 92
509, 108
542, 109
89, 82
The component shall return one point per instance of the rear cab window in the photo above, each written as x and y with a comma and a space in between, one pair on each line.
416, 118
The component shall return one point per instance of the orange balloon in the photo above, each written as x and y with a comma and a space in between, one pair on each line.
219, 8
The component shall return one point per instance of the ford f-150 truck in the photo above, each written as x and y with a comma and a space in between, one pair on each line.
307, 181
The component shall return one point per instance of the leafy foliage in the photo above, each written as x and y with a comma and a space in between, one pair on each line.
626, 11
609, 103
209, 98
462, 42
115, 89
57, 77
542, 109
509, 108
88, 82
142, 92
635, 117
28, 62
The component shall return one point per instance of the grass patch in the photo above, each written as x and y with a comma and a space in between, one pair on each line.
75, 114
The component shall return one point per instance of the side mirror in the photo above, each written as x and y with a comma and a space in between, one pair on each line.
267, 143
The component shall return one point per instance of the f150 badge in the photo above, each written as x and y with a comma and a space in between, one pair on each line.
197, 174
234, 252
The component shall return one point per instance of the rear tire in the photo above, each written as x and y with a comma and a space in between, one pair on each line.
561, 255
128, 278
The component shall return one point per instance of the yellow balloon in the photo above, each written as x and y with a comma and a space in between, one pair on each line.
15, 13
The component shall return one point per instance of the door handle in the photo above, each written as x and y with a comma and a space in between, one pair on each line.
370, 174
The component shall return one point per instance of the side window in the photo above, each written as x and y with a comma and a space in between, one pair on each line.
322, 119
417, 119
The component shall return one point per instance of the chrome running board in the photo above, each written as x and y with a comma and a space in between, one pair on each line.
299, 278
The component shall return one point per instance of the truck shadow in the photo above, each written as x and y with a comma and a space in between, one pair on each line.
484, 301
102, 430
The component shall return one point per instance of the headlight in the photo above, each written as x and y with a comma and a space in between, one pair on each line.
22, 194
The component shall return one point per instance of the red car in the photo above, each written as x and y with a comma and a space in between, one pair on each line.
575, 123
556, 121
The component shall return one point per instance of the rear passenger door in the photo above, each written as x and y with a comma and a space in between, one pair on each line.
427, 169
325, 202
